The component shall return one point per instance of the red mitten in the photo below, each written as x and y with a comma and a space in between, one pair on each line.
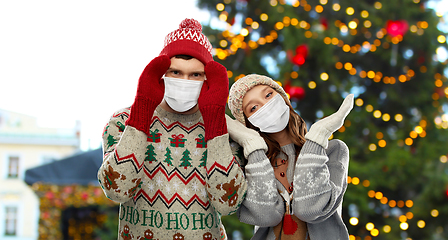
213, 98
150, 91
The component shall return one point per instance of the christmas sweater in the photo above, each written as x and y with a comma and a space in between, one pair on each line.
170, 184
319, 180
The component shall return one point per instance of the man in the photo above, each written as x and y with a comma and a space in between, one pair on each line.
167, 159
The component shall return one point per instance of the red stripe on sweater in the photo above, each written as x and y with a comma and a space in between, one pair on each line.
175, 174
175, 123
221, 167
130, 156
171, 200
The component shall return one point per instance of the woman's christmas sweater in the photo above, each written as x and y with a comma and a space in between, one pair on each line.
170, 184
319, 181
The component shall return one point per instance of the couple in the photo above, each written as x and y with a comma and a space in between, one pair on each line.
168, 161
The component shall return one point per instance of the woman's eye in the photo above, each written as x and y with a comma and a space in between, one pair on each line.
269, 95
253, 108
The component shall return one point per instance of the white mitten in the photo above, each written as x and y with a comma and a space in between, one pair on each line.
322, 129
247, 138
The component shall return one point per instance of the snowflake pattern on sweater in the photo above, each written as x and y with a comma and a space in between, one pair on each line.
319, 178
170, 184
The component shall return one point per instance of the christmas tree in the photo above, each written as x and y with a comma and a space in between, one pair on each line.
168, 158
185, 159
384, 52
203, 159
111, 140
150, 154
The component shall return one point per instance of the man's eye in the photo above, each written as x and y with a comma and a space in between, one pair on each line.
197, 75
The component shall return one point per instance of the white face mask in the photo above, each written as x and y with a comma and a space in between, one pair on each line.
180, 94
271, 117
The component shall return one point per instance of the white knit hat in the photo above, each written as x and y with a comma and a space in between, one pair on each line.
240, 87
188, 40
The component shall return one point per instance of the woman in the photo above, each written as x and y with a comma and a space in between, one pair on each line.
296, 179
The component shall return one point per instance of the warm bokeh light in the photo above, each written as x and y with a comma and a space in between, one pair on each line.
404, 226
374, 232
370, 226
354, 221
355, 181
434, 213
421, 224
264, 17
220, 7
359, 102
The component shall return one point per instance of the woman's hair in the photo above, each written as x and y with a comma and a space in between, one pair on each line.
296, 129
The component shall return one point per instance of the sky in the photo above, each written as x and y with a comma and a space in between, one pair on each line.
68, 61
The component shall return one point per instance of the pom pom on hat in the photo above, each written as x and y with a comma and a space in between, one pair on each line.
240, 88
191, 23
188, 40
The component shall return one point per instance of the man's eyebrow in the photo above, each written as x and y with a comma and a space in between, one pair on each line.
173, 68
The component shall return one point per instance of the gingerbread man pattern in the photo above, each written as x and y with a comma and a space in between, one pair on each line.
109, 179
231, 195
178, 236
125, 234
148, 235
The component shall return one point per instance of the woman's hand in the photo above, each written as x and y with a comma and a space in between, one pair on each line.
248, 138
322, 129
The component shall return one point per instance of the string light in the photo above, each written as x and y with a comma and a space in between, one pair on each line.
392, 204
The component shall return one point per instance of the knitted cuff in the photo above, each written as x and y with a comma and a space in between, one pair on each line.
251, 145
258, 156
311, 147
319, 135
141, 114
214, 121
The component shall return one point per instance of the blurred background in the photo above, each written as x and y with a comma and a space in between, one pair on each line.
65, 67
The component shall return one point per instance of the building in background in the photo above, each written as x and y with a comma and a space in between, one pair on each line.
24, 145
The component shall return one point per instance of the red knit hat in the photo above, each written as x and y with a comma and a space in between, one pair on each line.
188, 40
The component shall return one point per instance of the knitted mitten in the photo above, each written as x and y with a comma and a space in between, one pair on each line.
322, 129
150, 92
248, 138
213, 98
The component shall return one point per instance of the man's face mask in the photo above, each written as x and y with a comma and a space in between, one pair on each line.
271, 117
180, 94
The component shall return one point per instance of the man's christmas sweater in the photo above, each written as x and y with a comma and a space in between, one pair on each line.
170, 184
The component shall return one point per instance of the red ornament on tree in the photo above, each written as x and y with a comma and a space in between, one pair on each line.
294, 91
232, 21
297, 92
301, 54
324, 23
397, 28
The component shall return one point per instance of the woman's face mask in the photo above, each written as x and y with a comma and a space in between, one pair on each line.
180, 94
272, 117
